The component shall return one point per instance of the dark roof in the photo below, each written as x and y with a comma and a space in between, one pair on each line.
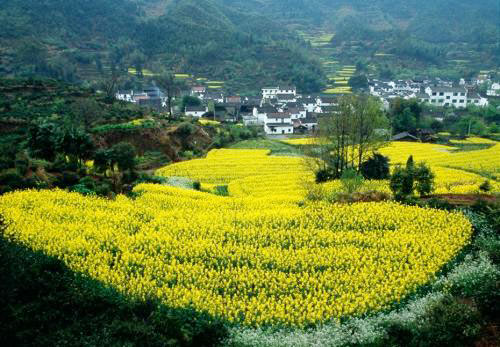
309, 120
195, 109
279, 124
295, 109
328, 100
403, 135
267, 109
279, 115
442, 89
285, 96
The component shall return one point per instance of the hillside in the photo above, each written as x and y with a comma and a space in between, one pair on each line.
78, 41
408, 37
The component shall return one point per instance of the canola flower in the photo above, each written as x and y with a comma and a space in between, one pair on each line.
486, 160
256, 173
251, 260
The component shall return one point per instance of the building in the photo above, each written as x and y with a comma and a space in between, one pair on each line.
278, 124
273, 92
260, 113
447, 96
199, 91
195, 111
494, 90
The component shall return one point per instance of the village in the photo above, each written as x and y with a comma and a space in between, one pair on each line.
282, 110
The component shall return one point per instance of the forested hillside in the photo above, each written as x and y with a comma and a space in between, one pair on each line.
247, 43
82, 40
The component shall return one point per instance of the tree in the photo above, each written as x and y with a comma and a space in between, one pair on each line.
123, 156
376, 167
86, 111
170, 86
405, 181
77, 145
406, 115
358, 82
189, 101
347, 138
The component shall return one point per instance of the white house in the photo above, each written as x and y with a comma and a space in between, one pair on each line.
195, 111
297, 112
125, 95
476, 99
309, 104
326, 101
273, 92
261, 113
199, 91
278, 124
447, 96
494, 90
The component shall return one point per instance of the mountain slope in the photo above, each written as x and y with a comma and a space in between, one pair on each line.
77, 40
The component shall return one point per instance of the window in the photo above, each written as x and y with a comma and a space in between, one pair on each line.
441, 94
441, 100
462, 101
462, 94
476, 101
455, 94
448, 97
434, 93
454, 101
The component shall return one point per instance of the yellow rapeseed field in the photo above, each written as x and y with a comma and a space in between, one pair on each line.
257, 257
251, 260
486, 160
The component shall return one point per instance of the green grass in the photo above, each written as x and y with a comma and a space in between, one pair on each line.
276, 147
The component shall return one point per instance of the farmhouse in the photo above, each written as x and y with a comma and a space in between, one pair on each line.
278, 123
273, 92
195, 111
447, 96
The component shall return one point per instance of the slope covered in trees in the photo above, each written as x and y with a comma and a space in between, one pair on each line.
75, 41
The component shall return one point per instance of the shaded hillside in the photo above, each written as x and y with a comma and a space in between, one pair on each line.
75, 40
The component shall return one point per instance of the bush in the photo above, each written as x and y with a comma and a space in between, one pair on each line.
196, 185
404, 181
43, 303
67, 180
448, 322
351, 181
186, 129
222, 191
485, 186
376, 168
325, 175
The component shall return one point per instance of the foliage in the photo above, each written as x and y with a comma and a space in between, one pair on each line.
404, 181
117, 242
351, 181
346, 139
43, 302
376, 167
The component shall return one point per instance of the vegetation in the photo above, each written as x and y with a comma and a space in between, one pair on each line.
347, 139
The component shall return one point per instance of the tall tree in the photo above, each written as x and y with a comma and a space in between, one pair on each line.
348, 137
170, 86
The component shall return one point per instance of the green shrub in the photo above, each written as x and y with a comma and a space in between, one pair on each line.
485, 186
404, 181
351, 181
376, 168
196, 185
43, 303
325, 175
448, 322
222, 191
